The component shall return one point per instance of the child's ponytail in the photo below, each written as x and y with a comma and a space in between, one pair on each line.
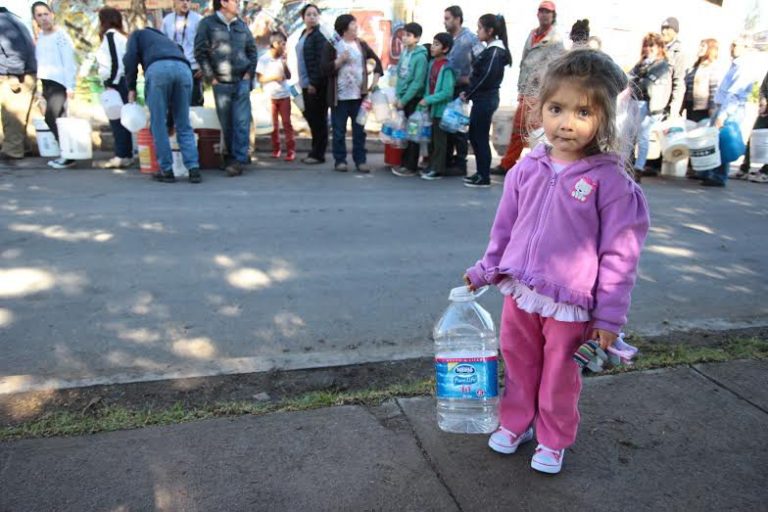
498, 25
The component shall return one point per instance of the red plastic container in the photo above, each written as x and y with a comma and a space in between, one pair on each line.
393, 156
209, 148
147, 154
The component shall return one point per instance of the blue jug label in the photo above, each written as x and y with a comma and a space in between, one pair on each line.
467, 377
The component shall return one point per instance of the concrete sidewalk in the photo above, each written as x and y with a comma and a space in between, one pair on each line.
680, 439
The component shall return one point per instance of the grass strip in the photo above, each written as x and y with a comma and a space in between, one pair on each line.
116, 417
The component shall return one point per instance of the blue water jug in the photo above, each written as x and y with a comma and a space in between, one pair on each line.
731, 144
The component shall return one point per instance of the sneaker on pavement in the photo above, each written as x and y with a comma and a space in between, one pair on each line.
62, 163
504, 441
115, 163
312, 160
431, 175
741, 174
234, 169
547, 460
290, 156
478, 182
759, 177
467, 179
164, 177
403, 172
363, 168
276, 153
194, 176
341, 167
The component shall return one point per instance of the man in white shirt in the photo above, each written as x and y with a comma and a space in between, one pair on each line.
181, 27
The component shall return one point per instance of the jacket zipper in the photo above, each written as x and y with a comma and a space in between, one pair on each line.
536, 234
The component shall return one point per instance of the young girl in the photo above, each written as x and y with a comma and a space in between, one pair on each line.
564, 249
487, 74
112, 72
56, 69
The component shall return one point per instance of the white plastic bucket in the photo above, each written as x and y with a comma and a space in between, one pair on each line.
46, 141
133, 117
676, 169
758, 147
204, 118
704, 147
112, 102
674, 142
75, 138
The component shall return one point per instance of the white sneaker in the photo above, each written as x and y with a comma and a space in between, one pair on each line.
759, 177
62, 163
547, 460
116, 163
504, 441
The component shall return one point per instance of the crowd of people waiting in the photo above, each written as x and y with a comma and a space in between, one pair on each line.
190, 50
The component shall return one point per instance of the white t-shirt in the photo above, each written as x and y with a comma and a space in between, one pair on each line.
350, 78
56, 58
270, 66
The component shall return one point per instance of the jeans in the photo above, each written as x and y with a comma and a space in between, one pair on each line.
282, 108
55, 96
316, 114
123, 138
233, 106
197, 92
644, 134
480, 119
458, 142
169, 85
347, 109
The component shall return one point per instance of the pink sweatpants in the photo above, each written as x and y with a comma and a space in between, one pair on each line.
542, 383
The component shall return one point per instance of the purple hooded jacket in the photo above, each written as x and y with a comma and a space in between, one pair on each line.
575, 236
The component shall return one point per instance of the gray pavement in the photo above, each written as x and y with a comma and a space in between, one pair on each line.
109, 277
679, 439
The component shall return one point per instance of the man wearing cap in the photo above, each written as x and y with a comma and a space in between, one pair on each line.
543, 45
669, 29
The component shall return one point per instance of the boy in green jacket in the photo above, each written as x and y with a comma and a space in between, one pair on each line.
438, 92
411, 72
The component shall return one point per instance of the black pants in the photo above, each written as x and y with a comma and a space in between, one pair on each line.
411, 153
458, 143
197, 91
316, 114
480, 118
55, 96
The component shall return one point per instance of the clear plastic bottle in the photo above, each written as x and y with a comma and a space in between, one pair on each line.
363, 111
466, 366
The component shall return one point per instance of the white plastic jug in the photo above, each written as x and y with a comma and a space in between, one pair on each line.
758, 147
133, 117
46, 141
380, 103
75, 138
704, 145
112, 103
204, 118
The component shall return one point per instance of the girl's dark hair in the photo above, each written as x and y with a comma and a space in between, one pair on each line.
594, 74
446, 40
580, 31
277, 34
342, 23
307, 7
456, 12
496, 24
216, 5
110, 18
40, 4
413, 28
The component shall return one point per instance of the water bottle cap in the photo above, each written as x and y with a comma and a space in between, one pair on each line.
462, 294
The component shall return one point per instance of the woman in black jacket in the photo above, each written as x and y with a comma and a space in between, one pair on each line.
483, 90
309, 51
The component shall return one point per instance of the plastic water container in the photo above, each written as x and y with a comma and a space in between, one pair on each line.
75, 138
703, 144
133, 117
674, 142
204, 118
380, 102
466, 366
363, 111
112, 102
147, 154
731, 144
758, 147
46, 141
297, 96
455, 117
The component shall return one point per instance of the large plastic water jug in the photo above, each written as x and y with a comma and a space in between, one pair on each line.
46, 141
75, 138
731, 144
381, 111
133, 117
466, 366
112, 102
455, 117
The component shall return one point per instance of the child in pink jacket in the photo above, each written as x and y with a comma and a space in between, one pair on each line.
564, 249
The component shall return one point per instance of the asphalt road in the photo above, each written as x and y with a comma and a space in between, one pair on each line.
110, 277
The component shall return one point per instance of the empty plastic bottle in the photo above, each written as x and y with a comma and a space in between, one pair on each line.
466, 366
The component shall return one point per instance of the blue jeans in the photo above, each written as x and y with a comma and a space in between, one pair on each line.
123, 138
347, 109
233, 106
169, 85
644, 134
480, 120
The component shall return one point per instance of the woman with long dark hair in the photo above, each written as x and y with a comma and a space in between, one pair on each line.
111, 70
309, 53
484, 83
